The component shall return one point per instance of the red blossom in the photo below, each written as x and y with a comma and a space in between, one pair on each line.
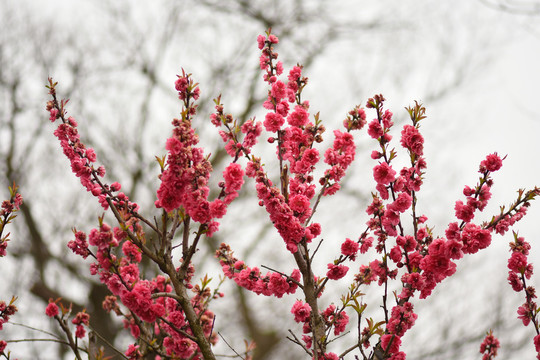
412, 140
536, 342
492, 163
390, 343
350, 248
383, 174
51, 310
336, 272
301, 311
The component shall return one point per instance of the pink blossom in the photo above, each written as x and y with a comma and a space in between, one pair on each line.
398, 356
132, 252
536, 342
260, 41
311, 157
329, 356
51, 310
340, 322
453, 249
252, 129
282, 108
515, 281
308, 340
383, 173
81, 318
336, 272
279, 68
301, 311
375, 129
294, 73
299, 117
278, 285
492, 163
525, 314
474, 238
234, 177
407, 242
517, 262
299, 203
412, 140
350, 248
390, 343
314, 229
402, 203
79, 246
464, 212
129, 273
387, 119
453, 232
375, 155
133, 352
414, 279
279, 90
489, 346
395, 254
91, 155
365, 244
80, 332
54, 114
273, 122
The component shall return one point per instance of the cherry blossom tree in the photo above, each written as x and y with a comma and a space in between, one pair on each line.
139, 178
408, 259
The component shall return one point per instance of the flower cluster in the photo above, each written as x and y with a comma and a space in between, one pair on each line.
168, 323
519, 271
82, 318
489, 346
251, 129
338, 319
52, 309
82, 159
6, 310
7, 214
427, 259
272, 283
184, 180
118, 251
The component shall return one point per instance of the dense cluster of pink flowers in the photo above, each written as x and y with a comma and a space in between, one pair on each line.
7, 214
489, 346
519, 271
118, 251
6, 310
157, 310
271, 283
184, 181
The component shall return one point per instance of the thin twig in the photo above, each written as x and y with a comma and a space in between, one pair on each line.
230, 347
35, 329
108, 343
316, 249
297, 341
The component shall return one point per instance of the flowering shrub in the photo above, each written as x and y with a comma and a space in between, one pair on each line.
169, 315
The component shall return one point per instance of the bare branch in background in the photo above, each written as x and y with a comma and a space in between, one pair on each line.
516, 7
